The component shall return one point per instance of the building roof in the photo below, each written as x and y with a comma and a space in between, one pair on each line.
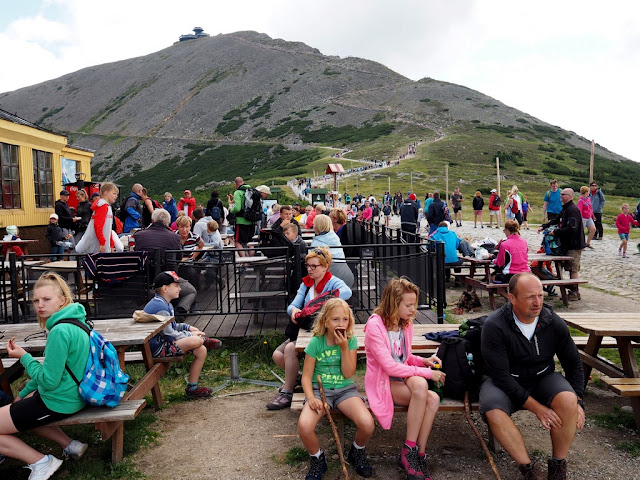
12, 117
334, 168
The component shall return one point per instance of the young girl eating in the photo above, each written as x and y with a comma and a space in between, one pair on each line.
331, 353
51, 394
396, 376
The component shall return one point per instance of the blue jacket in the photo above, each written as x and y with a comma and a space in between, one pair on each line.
329, 239
171, 208
333, 283
597, 200
133, 213
451, 242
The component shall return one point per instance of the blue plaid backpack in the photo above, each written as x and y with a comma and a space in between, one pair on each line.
104, 382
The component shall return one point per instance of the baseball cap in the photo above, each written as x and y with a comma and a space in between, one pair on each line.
494, 190
95, 194
64, 192
54, 215
166, 278
187, 191
263, 189
412, 197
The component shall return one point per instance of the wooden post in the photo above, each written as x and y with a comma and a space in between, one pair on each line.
593, 152
499, 194
446, 180
389, 177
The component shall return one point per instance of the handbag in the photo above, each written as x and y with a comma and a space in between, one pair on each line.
306, 316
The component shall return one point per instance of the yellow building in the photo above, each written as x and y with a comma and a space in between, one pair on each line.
31, 171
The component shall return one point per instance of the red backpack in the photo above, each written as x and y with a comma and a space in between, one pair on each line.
514, 206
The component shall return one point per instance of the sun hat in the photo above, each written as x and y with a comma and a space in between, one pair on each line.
263, 189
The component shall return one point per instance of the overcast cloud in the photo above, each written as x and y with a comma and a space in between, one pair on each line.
574, 64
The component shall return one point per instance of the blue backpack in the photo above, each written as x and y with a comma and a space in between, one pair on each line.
103, 382
551, 242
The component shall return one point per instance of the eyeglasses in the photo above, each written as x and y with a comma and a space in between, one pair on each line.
562, 194
594, 184
311, 267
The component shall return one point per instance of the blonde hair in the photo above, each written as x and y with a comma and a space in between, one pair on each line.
181, 213
323, 317
478, 193
584, 189
390, 302
183, 220
212, 225
323, 254
290, 226
512, 226
83, 194
339, 215
322, 224
275, 208
108, 187
624, 205
50, 279
168, 193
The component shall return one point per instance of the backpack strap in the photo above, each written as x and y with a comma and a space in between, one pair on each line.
77, 323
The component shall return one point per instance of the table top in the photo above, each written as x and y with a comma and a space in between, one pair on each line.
27, 263
420, 343
61, 265
605, 324
17, 242
540, 257
259, 259
119, 331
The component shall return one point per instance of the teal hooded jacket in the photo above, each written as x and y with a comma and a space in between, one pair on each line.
66, 344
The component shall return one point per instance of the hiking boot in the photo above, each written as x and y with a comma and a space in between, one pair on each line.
211, 343
574, 295
531, 471
557, 469
282, 401
317, 466
75, 450
424, 468
199, 392
358, 459
409, 461
45, 470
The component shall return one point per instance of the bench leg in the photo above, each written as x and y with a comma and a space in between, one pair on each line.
149, 364
117, 444
564, 295
493, 444
492, 300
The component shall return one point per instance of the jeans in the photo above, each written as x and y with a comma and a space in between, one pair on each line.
57, 252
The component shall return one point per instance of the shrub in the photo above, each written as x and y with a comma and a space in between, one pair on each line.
527, 171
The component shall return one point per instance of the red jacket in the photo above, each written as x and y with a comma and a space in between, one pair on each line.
190, 203
491, 205
623, 222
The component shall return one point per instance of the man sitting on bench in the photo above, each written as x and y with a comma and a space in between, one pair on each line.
519, 341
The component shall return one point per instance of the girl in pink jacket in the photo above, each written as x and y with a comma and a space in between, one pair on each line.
397, 377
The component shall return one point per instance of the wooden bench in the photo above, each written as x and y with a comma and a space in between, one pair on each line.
108, 421
446, 405
625, 387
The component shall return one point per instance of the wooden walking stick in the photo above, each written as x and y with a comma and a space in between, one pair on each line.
467, 412
333, 428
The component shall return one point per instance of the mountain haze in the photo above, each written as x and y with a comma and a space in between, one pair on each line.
246, 88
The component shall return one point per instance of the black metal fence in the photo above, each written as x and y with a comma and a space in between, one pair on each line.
228, 283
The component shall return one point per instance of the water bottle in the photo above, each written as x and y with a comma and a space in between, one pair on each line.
433, 385
471, 364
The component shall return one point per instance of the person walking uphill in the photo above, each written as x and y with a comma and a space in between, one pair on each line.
435, 215
409, 216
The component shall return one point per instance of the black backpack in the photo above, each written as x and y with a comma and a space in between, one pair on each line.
122, 211
252, 208
497, 201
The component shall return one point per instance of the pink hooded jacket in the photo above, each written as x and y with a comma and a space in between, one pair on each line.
380, 366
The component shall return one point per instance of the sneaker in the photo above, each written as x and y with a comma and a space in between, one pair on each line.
317, 467
619, 251
409, 461
624, 255
574, 296
212, 343
199, 392
282, 401
531, 471
75, 450
45, 470
358, 459
557, 469
424, 468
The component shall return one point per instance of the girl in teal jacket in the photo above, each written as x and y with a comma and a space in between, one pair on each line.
51, 394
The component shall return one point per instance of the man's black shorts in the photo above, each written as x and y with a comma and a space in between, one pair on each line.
244, 233
491, 397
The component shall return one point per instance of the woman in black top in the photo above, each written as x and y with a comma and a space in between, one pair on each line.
84, 212
478, 205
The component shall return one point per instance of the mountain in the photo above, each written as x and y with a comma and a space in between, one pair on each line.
230, 99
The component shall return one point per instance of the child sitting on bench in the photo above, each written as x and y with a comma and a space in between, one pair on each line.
177, 338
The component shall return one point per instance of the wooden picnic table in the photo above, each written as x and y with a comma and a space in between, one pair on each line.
420, 343
63, 266
625, 329
22, 243
260, 263
123, 333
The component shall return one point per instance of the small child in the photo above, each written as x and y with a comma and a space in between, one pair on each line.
12, 235
99, 236
290, 231
212, 240
386, 210
624, 222
526, 208
57, 239
212, 236
177, 338
331, 353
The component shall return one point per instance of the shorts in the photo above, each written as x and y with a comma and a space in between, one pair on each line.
244, 233
524, 216
588, 222
456, 209
491, 397
623, 236
31, 412
503, 277
573, 265
494, 213
280, 348
337, 395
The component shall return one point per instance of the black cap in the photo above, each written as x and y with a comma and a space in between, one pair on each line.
65, 192
166, 278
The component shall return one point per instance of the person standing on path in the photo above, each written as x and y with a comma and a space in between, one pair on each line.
478, 205
456, 204
552, 202
494, 208
597, 203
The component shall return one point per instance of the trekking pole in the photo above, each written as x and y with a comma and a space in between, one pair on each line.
333, 429
467, 412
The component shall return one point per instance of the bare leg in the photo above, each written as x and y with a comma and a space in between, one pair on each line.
412, 392
354, 409
509, 436
54, 434
565, 404
199, 351
289, 362
12, 446
433, 403
307, 429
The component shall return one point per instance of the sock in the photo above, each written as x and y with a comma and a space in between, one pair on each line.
288, 392
527, 466
423, 454
410, 444
192, 386
356, 446
317, 455
44, 459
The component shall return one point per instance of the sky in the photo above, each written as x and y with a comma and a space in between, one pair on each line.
574, 64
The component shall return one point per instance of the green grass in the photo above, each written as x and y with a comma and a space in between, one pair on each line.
616, 420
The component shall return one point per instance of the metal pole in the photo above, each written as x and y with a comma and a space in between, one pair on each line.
412, 181
440, 293
389, 178
235, 371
